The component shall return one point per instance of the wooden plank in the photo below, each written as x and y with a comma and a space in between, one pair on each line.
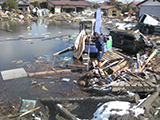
144, 84
102, 73
127, 84
139, 84
122, 84
134, 85
116, 84
150, 84
115, 89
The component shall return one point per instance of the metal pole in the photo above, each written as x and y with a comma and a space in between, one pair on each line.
88, 54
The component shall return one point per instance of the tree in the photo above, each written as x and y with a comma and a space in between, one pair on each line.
95, 6
10, 4
36, 4
45, 5
130, 8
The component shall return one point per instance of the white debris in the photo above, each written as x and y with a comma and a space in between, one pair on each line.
109, 108
130, 94
66, 79
138, 111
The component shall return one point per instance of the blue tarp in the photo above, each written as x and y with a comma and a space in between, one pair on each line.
98, 21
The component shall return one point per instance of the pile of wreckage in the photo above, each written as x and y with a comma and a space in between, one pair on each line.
122, 85
121, 81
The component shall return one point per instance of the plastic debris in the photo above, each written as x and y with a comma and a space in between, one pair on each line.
114, 107
44, 88
29, 28
27, 105
66, 79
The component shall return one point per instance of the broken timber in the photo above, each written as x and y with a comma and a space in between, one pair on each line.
65, 112
147, 103
49, 72
139, 86
117, 67
150, 57
89, 99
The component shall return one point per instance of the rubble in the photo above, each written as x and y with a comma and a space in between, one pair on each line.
119, 75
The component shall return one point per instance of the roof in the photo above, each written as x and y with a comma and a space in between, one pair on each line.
22, 2
135, 3
106, 6
69, 3
126, 2
146, 1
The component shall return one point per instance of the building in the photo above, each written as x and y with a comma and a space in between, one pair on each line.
151, 7
22, 4
68, 6
109, 10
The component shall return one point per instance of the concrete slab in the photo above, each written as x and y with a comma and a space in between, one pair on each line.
13, 74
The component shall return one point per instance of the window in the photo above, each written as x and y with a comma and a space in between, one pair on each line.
128, 37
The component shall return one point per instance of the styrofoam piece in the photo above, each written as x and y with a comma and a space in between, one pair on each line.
66, 79
13, 74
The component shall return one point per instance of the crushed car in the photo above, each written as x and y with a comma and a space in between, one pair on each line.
131, 41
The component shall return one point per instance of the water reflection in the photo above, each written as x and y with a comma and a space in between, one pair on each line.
22, 49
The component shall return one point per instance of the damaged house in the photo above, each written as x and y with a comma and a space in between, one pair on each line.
68, 6
150, 7
22, 4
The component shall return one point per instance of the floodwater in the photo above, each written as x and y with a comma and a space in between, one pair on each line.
37, 48
22, 49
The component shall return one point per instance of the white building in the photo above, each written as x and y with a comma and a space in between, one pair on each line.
150, 7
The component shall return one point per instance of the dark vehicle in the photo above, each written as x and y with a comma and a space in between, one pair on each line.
129, 41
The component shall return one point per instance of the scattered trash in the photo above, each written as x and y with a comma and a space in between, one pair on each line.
66, 79
113, 107
27, 105
44, 88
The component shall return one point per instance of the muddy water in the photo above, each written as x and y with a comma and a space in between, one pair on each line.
29, 53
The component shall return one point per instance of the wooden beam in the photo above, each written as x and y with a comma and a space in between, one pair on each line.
150, 57
49, 72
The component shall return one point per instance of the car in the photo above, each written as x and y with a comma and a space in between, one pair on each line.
130, 41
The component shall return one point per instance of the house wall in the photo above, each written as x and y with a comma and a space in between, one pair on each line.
150, 7
110, 11
153, 10
57, 9
150, 2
